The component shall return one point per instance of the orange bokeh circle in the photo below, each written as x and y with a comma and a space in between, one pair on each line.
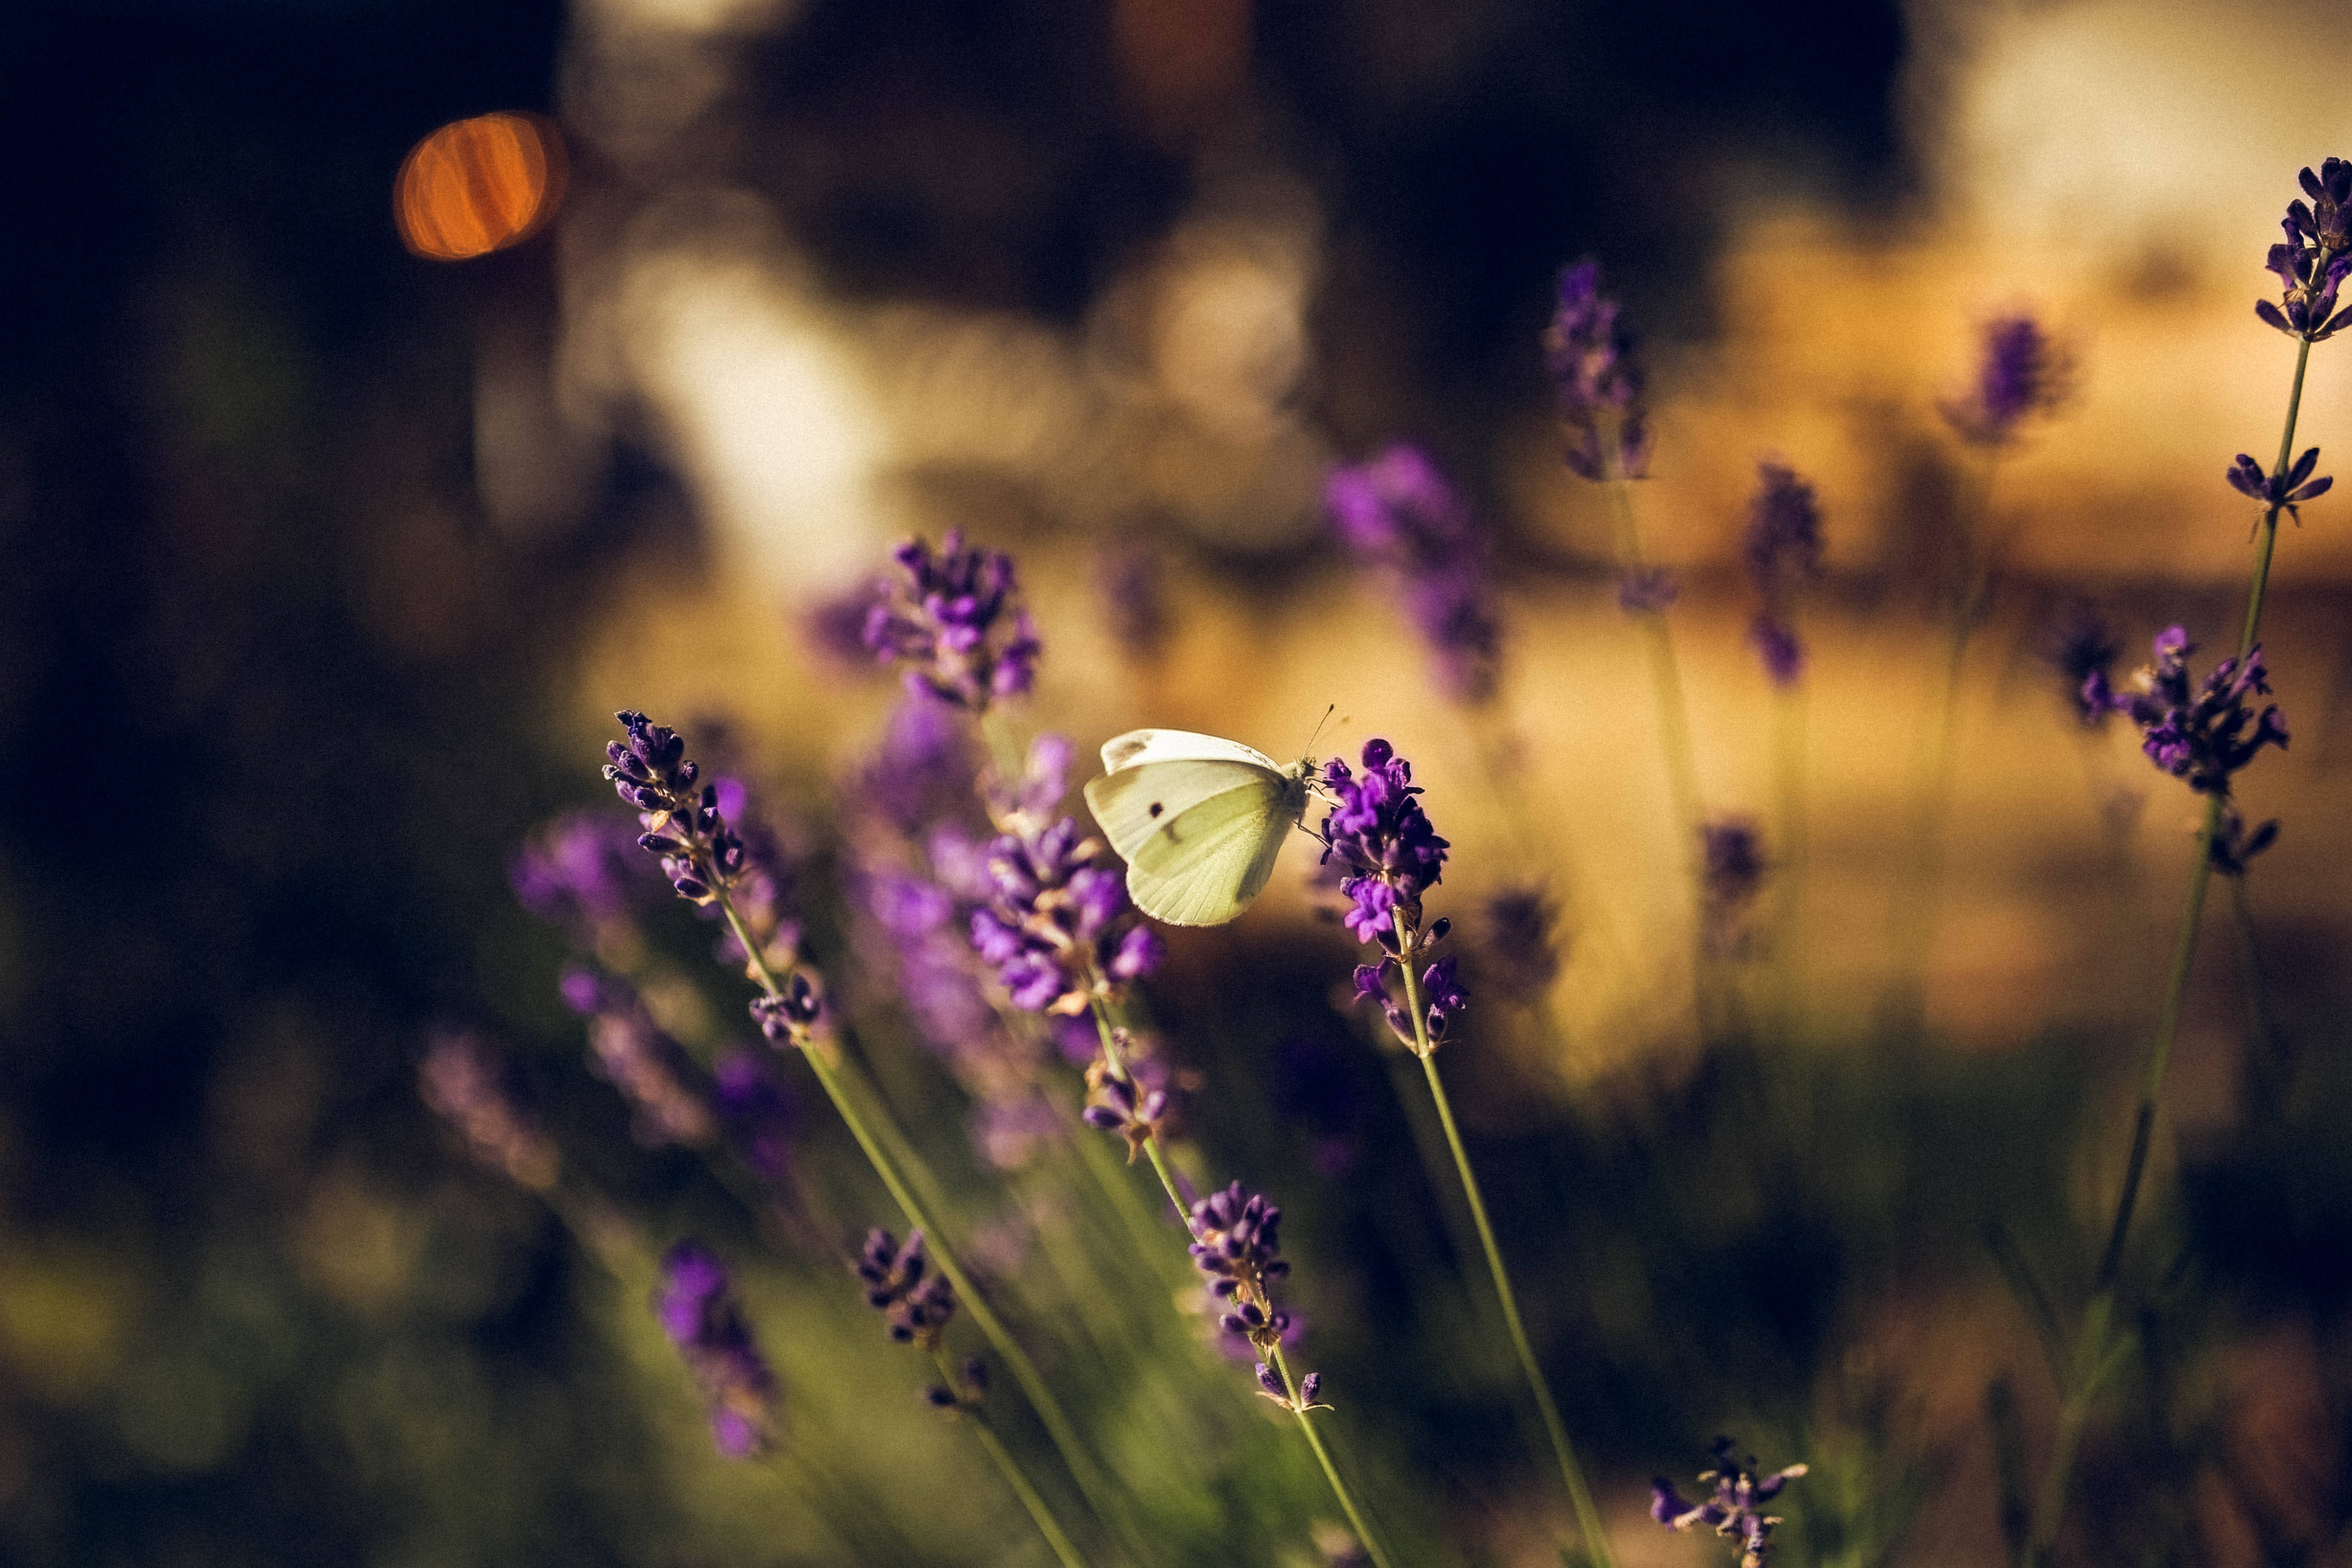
478, 185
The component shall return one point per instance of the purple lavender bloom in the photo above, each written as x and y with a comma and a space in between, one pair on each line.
1026, 804
795, 1015
1397, 511
1646, 589
759, 1116
698, 1311
2282, 491
1390, 857
1009, 1131
953, 619
1060, 931
924, 924
1783, 551
1735, 1510
465, 1082
1732, 868
2234, 845
915, 1302
833, 629
2023, 373
1379, 833
629, 1050
1589, 353
1237, 1247
2311, 265
1133, 1110
1521, 957
2204, 735
577, 871
921, 771
2081, 646
1132, 583
701, 854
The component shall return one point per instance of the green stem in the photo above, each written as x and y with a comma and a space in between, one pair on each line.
2268, 1054
1058, 1427
1789, 776
2049, 1508
1014, 1477
1666, 680
1372, 1543
1587, 1516
1151, 1145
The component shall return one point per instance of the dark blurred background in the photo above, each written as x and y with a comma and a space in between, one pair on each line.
292, 670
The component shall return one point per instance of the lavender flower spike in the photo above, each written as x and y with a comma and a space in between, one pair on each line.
1597, 379
1735, 1511
700, 853
2081, 646
2281, 491
1396, 511
2206, 735
1390, 857
699, 1312
1237, 1246
1732, 869
1060, 932
953, 619
2023, 372
2312, 264
913, 1301
1783, 552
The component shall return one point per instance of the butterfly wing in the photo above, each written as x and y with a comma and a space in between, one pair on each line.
1137, 747
1200, 835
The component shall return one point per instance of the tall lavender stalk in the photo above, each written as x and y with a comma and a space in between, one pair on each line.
1782, 547
1603, 407
1391, 857
2020, 374
2206, 736
705, 859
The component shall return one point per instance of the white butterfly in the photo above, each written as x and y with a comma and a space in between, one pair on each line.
1200, 820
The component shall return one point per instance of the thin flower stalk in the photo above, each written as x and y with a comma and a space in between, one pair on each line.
704, 858
2311, 265
1390, 857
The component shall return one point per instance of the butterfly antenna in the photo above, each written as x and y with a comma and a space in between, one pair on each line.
1328, 712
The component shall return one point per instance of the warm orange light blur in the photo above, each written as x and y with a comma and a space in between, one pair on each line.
478, 185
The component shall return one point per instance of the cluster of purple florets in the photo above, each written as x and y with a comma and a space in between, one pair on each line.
2203, 733
465, 1082
1737, 1508
639, 1058
2285, 491
1598, 380
1782, 548
701, 854
698, 1311
1388, 857
1237, 1245
2317, 253
1397, 510
953, 619
2021, 373
1732, 871
2082, 646
915, 1302
1117, 1103
1060, 930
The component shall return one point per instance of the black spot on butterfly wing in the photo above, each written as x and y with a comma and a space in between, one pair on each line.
1157, 808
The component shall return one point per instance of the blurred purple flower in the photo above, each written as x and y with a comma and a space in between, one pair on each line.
1646, 589
1521, 956
1782, 547
2234, 845
921, 771
698, 1311
652, 1072
465, 1082
1597, 380
833, 629
1131, 581
1009, 1131
579, 871
2080, 646
1396, 511
2311, 265
2204, 735
2021, 374
953, 620
756, 1111
1732, 869
1735, 1511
